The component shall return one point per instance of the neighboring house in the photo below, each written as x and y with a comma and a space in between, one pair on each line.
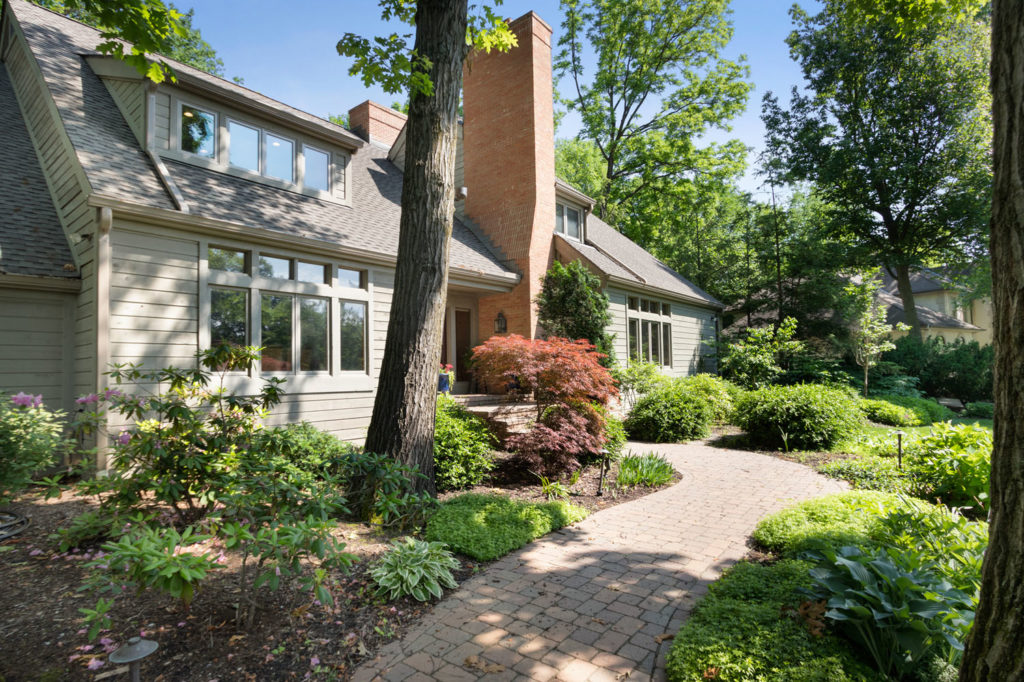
142, 222
939, 308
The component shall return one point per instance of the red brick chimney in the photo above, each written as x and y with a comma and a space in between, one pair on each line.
509, 164
375, 122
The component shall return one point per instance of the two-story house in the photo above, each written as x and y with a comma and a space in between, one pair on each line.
142, 222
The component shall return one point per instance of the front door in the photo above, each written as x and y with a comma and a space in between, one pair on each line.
463, 347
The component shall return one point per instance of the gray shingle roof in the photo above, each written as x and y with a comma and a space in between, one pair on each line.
895, 312
642, 266
370, 223
32, 241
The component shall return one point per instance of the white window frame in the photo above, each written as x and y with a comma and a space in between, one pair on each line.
655, 319
580, 218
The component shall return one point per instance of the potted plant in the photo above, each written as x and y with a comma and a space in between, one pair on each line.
446, 379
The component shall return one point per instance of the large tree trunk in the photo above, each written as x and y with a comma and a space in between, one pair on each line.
403, 412
995, 650
906, 291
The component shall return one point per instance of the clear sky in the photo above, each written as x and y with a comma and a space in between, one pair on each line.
286, 50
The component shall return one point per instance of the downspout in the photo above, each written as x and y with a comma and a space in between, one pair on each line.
103, 277
161, 169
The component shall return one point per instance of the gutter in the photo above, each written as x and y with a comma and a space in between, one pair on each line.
40, 283
161, 169
666, 292
213, 226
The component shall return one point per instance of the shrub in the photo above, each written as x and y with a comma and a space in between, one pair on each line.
757, 360
804, 417
462, 446
962, 369
926, 410
381, 490
572, 304
715, 391
489, 526
305, 446
870, 473
30, 440
416, 569
848, 518
885, 412
566, 380
615, 435
736, 633
671, 413
980, 410
637, 379
953, 464
649, 470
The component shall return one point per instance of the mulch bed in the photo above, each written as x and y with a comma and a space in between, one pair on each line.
42, 636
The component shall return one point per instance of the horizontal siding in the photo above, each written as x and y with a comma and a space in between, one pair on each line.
691, 328
36, 354
131, 100
617, 309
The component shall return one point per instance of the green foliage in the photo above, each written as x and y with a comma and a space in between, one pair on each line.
870, 473
553, 490
462, 446
886, 412
894, 606
572, 305
415, 568
756, 361
31, 438
848, 518
381, 490
636, 379
489, 526
304, 446
579, 163
871, 335
926, 411
980, 409
87, 528
671, 413
716, 391
650, 470
953, 465
615, 436
804, 417
961, 369
736, 633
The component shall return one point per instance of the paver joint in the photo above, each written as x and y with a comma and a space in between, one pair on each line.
593, 601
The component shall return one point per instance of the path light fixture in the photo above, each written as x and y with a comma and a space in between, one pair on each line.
132, 653
604, 468
899, 450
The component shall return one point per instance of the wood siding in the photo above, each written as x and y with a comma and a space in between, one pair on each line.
163, 121
36, 349
69, 191
131, 100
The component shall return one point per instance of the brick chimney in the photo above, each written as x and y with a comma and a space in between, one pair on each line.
376, 123
509, 164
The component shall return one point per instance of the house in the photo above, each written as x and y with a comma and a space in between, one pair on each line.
939, 308
142, 222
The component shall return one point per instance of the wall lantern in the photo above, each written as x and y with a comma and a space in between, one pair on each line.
500, 324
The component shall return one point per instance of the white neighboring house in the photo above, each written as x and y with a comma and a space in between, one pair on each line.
141, 222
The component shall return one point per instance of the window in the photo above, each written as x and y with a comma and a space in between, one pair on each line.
666, 346
634, 303
353, 336
317, 171
276, 328
354, 279
227, 260
229, 317
274, 267
313, 335
280, 158
198, 132
634, 340
243, 146
567, 221
311, 272
649, 334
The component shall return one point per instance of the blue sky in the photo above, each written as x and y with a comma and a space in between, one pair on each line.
289, 54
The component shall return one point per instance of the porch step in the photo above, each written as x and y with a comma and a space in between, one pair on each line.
474, 399
505, 419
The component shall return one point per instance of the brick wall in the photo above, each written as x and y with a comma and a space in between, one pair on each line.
509, 163
376, 122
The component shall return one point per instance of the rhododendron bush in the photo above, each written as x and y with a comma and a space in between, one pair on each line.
566, 380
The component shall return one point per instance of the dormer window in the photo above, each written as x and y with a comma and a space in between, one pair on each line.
280, 158
318, 169
244, 149
567, 221
198, 131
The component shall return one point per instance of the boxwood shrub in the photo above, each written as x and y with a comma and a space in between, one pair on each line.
462, 446
926, 410
713, 389
885, 412
802, 417
671, 413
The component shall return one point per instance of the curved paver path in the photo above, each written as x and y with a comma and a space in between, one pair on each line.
590, 601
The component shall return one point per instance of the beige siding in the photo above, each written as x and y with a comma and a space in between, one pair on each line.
617, 308
163, 121
131, 100
69, 190
691, 328
36, 350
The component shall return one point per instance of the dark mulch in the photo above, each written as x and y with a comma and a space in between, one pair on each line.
42, 636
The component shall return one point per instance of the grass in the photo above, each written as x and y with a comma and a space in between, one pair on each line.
489, 526
881, 440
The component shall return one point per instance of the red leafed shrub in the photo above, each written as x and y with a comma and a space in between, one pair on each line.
566, 379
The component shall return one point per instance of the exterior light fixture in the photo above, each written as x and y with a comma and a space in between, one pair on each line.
500, 324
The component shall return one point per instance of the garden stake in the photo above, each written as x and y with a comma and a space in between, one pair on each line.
132, 653
604, 466
899, 450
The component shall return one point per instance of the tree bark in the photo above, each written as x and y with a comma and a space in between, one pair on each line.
995, 649
402, 424
906, 292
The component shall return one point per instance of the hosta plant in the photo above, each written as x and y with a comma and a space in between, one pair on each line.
415, 568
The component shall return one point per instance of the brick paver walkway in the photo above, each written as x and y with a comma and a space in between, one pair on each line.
593, 601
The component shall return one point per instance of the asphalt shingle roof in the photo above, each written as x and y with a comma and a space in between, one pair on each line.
32, 241
895, 312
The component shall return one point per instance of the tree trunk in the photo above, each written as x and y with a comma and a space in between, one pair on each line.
866, 370
403, 411
995, 649
778, 261
906, 291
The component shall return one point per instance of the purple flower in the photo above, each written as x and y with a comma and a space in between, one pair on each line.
314, 662
27, 400
87, 399
111, 393
35, 552
95, 664
124, 438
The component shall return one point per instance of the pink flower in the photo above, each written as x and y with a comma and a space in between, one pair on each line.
86, 399
27, 400
181, 624
35, 552
314, 662
124, 438
111, 393
95, 664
